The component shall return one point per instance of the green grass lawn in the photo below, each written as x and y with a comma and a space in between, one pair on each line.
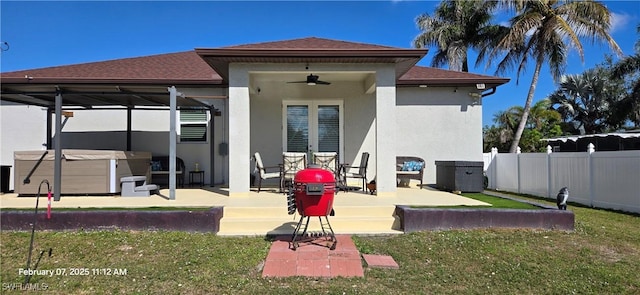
496, 203
602, 256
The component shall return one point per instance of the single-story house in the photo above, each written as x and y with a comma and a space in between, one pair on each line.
215, 107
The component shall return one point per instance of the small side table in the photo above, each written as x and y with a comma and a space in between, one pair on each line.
200, 175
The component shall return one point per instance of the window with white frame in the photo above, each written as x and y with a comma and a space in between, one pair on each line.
193, 125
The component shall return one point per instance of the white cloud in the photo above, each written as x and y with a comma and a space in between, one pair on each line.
619, 21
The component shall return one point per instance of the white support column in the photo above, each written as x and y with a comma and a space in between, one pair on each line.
239, 132
173, 93
386, 132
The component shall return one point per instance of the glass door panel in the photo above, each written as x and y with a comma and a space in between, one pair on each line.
297, 133
313, 126
328, 139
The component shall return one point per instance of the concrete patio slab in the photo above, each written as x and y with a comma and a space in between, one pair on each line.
216, 197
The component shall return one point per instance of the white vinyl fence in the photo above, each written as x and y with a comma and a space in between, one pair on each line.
598, 179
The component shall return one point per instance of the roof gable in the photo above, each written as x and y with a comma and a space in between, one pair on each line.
311, 43
310, 50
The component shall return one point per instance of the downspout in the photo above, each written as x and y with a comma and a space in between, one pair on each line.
50, 113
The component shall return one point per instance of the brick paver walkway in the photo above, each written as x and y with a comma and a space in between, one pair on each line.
313, 259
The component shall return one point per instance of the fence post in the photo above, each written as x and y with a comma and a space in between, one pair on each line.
494, 171
590, 150
518, 151
549, 190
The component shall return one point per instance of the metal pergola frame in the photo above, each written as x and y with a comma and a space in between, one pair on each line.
98, 96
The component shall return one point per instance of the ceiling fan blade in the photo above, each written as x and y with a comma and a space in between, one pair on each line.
312, 80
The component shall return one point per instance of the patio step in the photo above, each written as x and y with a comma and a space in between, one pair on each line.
346, 211
259, 221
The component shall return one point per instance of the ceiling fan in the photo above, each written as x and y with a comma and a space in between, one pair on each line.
312, 80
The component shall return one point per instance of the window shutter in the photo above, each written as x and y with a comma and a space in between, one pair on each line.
193, 116
193, 125
193, 132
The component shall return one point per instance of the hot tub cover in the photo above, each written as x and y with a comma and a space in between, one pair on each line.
70, 154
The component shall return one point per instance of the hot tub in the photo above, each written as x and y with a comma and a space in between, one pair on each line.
83, 171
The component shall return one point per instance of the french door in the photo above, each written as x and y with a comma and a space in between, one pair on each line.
313, 126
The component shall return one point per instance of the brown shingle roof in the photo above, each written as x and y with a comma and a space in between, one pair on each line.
183, 68
179, 68
311, 43
438, 77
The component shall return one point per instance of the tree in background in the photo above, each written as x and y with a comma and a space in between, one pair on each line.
544, 31
456, 26
591, 102
544, 122
629, 68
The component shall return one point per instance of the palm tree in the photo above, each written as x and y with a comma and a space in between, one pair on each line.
544, 31
589, 101
543, 122
456, 26
630, 66
507, 122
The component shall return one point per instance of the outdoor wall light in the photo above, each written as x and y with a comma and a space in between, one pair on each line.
480, 86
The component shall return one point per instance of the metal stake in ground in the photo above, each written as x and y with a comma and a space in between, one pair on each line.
33, 232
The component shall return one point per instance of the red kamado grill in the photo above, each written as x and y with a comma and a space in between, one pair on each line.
312, 195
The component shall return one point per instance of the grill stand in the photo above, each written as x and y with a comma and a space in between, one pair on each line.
311, 236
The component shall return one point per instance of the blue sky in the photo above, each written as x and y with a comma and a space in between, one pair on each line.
52, 33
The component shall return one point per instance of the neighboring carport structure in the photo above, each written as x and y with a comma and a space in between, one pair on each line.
152, 82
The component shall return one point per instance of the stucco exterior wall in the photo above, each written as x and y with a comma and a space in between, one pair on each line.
21, 128
438, 124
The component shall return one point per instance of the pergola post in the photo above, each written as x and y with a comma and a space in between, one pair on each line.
57, 164
129, 129
173, 93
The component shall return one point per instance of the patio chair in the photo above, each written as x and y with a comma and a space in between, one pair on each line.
362, 170
262, 170
291, 164
327, 160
